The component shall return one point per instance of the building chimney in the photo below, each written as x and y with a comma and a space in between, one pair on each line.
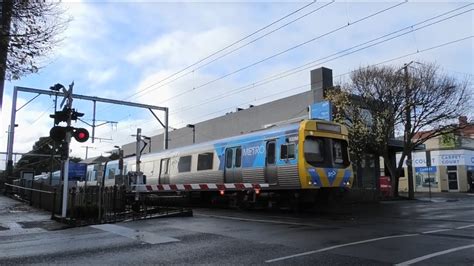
463, 120
321, 80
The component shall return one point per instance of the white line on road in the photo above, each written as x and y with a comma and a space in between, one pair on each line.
147, 237
377, 239
256, 220
466, 226
338, 246
436, 231
429, 256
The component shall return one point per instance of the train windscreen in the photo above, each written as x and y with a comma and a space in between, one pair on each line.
326, 152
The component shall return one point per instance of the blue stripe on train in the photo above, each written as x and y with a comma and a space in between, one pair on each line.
315, 178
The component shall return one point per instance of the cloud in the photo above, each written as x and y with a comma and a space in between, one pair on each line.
180, 48
111, 47
99, 77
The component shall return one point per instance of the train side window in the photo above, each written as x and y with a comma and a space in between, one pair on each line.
287, 151
205, 161
111, 174
184, 164
228, 158
271, 153
314, 150
238, 157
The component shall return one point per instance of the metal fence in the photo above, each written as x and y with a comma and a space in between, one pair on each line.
94, 204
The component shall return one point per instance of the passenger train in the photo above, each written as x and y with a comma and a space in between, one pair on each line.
298, 158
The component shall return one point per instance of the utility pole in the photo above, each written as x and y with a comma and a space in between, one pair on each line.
87, 150
408, 144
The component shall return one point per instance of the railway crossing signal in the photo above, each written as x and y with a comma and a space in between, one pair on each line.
80, 134
58, 133
63, 116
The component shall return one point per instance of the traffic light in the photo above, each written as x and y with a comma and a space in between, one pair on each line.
80, 134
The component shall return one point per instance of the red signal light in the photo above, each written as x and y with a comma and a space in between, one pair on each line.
81, 134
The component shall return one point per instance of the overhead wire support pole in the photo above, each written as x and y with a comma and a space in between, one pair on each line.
138, 174
32, 99
93, 121
11, 133
16, 89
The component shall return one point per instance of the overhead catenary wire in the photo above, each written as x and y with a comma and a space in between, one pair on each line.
231, 45
254, 84
339, 75
336, 76
386, 61
280, 53
146, 89
344, 52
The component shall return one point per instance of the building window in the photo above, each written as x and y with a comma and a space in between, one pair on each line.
205, 161
184, 164
287, 151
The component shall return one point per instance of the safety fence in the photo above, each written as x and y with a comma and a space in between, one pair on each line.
95, 204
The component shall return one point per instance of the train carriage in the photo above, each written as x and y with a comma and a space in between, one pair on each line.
305, 156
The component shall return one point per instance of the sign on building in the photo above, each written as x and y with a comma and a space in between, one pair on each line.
321, 110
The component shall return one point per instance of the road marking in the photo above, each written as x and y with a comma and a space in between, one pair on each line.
147, 237
436, 231
466, 226
429, 256
338, 246
256, 220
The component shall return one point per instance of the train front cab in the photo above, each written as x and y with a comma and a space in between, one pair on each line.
323, 160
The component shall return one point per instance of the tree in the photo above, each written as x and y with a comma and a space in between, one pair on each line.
30, 30
33, 160
380, 103
33, 32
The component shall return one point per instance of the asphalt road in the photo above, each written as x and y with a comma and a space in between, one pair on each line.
402, 232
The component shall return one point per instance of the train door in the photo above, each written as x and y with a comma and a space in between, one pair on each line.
270, 166
233, 165
164, 177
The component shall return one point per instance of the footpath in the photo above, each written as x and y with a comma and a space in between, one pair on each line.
19, 218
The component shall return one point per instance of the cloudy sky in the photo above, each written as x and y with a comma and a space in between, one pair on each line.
203, 59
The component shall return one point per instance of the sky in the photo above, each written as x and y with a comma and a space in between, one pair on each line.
204, 59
